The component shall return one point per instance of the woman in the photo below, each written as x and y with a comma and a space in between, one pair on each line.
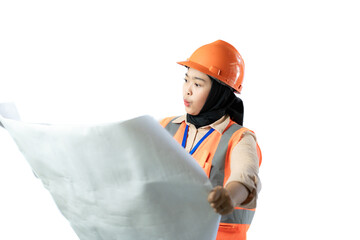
212, 132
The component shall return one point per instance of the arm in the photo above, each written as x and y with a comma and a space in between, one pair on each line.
243, 184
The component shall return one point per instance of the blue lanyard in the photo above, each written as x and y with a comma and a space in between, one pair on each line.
198, 144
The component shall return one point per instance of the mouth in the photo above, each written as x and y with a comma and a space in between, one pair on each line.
186, 103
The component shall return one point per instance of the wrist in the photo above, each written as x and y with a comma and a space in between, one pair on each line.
238, 192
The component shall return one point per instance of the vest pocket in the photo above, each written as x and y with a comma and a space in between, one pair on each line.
229, 231
207, 168
204, 162
228, 227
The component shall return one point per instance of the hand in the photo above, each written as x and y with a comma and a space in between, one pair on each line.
220, 199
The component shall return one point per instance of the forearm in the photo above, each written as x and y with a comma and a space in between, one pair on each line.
238, 192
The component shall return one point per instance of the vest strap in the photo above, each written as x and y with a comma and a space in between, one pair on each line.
172, 127
217, 179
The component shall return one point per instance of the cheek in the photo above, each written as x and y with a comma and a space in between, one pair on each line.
202, 96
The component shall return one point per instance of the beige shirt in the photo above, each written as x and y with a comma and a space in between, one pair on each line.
244, 164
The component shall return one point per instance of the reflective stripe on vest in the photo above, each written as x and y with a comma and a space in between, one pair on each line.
217, 173
172, 127
239, 216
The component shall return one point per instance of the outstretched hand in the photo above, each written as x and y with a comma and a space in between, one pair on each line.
220, 199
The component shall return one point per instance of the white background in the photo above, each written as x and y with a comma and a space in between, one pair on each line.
100, 61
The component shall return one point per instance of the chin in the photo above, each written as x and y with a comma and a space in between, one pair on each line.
191, 112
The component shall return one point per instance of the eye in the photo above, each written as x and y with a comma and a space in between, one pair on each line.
185, 79
197, 85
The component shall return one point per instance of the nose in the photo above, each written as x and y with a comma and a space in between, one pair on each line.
188, 90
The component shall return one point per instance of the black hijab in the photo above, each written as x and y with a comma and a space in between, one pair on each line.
221, 100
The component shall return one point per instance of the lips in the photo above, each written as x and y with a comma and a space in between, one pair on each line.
186, 103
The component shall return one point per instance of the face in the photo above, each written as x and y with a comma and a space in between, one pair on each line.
196, 89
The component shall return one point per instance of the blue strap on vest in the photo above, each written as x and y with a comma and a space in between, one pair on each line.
200, 141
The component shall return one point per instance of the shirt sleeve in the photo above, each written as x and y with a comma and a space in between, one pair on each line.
244, 166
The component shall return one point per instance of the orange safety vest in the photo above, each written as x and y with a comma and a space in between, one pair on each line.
213, 155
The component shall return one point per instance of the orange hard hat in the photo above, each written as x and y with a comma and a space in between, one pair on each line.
220, 60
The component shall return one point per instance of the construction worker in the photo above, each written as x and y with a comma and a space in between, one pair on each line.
211, 131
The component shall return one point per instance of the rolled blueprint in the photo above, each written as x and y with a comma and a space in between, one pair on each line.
122, 180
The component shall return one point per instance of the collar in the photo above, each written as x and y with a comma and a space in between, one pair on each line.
219, 125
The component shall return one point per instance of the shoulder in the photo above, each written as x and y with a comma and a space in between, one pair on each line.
244, 140
243, 136
248, 135
239, 132
174, 119
165, 121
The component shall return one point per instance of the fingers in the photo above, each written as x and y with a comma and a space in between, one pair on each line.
215, 194
219, 198
226, 210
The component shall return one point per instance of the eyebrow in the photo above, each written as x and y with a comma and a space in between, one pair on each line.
195, 77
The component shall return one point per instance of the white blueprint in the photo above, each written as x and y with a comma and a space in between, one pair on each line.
124, 180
